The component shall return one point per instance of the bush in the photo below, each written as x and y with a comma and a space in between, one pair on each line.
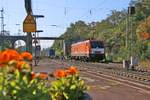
68, 85
18, 82
17, 79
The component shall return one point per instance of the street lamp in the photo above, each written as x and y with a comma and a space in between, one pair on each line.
57, 26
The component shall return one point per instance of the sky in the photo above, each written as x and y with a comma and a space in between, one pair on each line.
57, 12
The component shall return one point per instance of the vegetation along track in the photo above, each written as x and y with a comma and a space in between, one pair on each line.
113, 70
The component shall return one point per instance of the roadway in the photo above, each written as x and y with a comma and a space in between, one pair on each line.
101, 88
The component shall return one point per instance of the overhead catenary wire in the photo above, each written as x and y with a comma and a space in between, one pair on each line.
69, 8
91, 10
88, 11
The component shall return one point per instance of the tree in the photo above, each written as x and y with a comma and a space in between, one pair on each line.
142, 9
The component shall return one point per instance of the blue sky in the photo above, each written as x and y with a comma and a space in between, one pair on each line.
58, 12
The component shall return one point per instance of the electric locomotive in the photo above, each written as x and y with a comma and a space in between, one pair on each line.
89, 50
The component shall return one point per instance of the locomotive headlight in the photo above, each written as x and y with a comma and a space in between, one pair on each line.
92, 52
102, 51
97, 51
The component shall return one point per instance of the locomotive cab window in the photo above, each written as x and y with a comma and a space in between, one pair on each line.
97, 44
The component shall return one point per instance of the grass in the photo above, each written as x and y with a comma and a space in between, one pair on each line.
145, 64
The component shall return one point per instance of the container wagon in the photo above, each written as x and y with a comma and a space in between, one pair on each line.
51, 53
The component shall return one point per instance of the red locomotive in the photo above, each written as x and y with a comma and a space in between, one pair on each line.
89, 50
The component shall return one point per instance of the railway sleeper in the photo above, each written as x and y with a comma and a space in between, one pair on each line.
113, 72
124, 74
144, 79
142, 70
130, 75
127, 75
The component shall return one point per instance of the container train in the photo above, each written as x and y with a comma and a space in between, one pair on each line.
88, 50
37, 52
51, 53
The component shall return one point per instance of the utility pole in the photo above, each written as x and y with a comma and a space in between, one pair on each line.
131, 11
127, 29
2, 21
2, 29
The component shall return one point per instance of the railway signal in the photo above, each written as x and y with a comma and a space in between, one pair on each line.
131, 10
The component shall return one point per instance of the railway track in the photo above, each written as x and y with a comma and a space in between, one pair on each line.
142, 87
138, 76
100, 80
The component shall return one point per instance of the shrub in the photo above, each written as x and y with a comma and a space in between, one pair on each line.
18, 82
16, 79
68, 85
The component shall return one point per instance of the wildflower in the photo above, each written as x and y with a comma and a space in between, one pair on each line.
43, 75
26, 55
145, 35
67, 72
4, 58
22, 64
9, 55
13, 54
72, 70
60, 73
33, 75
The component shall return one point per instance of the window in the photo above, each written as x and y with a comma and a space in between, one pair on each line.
97, 44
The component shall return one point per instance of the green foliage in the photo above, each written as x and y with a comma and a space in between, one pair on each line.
142, 9
5, 44
68, 88
18, 85
17, 82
